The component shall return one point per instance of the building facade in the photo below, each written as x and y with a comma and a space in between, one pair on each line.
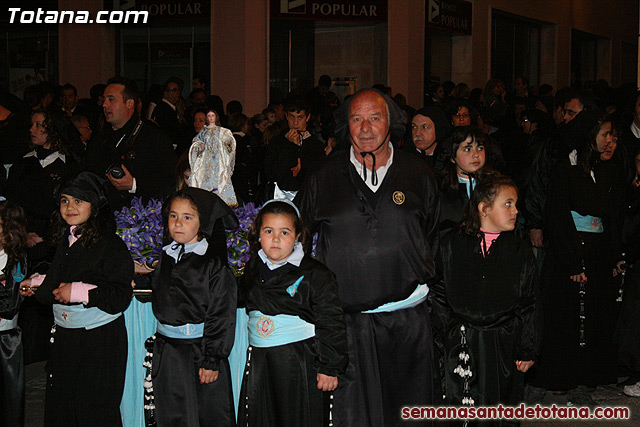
258, 50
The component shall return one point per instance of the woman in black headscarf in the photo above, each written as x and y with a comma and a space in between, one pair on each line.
429, 126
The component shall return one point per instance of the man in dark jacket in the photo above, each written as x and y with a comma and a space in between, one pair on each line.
294, 153
165, 115
376, 213
137, 158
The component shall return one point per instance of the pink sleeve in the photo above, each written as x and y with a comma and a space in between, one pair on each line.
37, 281
80, 292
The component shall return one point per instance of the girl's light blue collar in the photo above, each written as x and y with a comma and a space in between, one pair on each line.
471, 184
295, 258
173, 249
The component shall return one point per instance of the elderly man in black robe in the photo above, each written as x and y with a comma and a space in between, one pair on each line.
375, 209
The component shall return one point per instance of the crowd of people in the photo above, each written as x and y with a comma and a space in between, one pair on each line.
480, 249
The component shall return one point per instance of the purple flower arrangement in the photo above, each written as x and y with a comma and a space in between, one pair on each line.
141, 226
238, 249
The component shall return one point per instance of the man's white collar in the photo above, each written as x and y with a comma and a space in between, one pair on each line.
49, 159
381, 171
170, 104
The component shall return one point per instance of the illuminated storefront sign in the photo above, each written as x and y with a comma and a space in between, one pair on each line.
450, 15
336, 10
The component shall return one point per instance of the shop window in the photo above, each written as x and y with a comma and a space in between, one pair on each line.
27, 58
150, 55
353, 54
515, 47
590, 57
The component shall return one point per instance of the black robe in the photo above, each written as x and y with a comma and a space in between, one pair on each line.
197, 289
168, 122
282, 155
281, 386
494, 297
564, 363
381, 246
86, 368
452, 204
628, 329
36, 189
149, 157
392, 244
11, 362
429, 160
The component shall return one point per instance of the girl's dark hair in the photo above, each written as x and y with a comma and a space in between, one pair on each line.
54, 125
166, 208
203, 111
256, 119
588, 154
279, 208
13, 223
237, 122
99, 224
449, 173
269, 134
488, 184
491, 84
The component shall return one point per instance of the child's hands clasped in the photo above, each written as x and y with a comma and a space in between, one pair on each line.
63, 293
207, 376
25, 286
326, 383
524, 365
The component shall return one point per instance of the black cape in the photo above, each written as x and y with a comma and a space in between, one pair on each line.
494, 297
280, 387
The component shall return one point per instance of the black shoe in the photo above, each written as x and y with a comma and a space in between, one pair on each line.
535, 395
628, 381
579, 396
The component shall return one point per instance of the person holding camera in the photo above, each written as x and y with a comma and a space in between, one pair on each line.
294, 153
135, 156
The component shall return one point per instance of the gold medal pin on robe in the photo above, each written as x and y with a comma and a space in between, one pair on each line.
398, 197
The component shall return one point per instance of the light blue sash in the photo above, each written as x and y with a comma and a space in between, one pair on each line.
281, 329
418, 296
587, 223
186, 331
77, 316
8, 324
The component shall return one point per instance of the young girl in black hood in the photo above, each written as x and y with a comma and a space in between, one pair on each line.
194, 300
89, 286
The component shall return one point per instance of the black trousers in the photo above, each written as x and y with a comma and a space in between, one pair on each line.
280, 388
86, 372
180, 399
11, 379
391, 365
